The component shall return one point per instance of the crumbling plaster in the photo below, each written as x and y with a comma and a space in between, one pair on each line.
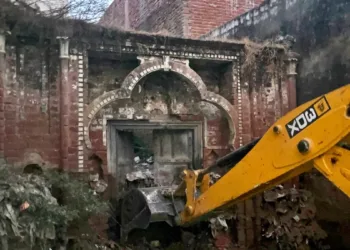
75, 119
75, 124
147, 66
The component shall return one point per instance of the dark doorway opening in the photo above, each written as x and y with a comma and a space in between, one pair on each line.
152, 153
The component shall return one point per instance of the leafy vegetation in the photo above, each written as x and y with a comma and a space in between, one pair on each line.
36, 210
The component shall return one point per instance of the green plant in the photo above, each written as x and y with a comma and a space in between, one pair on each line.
53, 201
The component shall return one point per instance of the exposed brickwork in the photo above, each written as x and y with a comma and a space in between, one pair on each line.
205, 15
147, 15
122, 76
190, 18
31, 118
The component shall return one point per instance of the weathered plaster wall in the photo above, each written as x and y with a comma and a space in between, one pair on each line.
159, 96
36, 88
98, 86
92, 75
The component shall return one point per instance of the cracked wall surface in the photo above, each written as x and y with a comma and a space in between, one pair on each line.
164, 87
65, 97
63, 83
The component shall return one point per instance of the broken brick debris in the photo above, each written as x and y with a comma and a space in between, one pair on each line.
143, 176
139, 175
288, 219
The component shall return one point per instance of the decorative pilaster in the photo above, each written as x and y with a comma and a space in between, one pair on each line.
292, 62
2, 85
291, 68
64, 100
237, 99
81, 79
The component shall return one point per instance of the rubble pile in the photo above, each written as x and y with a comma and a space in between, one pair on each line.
288, 220
142, 176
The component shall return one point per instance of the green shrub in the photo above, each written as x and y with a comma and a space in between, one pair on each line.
56, 201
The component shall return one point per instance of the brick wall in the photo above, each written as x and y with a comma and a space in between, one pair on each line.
32, 97
205, 15
189, 18
54, 107
167, 18
30, 105
115, 15
146, 15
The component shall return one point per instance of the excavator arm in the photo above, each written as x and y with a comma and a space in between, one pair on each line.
309, 136
315, 134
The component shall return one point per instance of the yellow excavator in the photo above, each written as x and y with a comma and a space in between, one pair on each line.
315, 134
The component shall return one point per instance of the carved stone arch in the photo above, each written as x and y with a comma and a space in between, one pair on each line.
147, 66
227, 110
150, 65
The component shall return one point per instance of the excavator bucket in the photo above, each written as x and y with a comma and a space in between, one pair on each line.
143, 206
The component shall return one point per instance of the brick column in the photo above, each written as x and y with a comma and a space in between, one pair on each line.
2, 83
64, 101
292, 92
